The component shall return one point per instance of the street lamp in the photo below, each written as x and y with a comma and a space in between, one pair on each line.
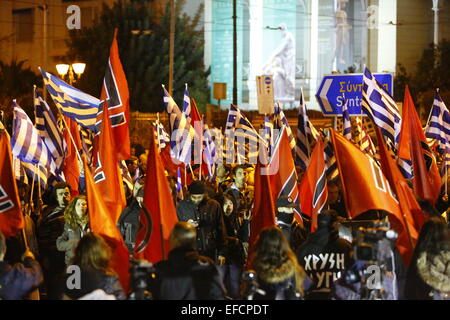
77, 68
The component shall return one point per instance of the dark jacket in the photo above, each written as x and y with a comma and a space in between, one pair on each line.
19, 280
211, 230
295, 233
324, 256
187, 276
50, 226
129, 224
93, 279
237, 236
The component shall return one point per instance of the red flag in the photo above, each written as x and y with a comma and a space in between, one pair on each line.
413, 146
410, 221
108, 178
11, 219
313, 188
71, 167
264, 203
283, 177
197, 123
101, 223
158, 216
364, 185
116, 96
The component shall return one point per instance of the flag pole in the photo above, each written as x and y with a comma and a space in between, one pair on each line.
71, 137
39, 195
163, 249
157, 130
201, 149
32, 188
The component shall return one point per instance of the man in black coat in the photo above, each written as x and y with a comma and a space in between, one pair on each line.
324, 256
206, 215
129, 223
293, 231
186, 275
17, 281
50, 226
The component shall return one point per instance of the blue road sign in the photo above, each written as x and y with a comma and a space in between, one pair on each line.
334, 88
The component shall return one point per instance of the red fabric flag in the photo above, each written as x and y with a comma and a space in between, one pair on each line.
263, 214
11, 218
107, 177
116, 96
100, 222
158, 216
412, 218
313, 188
413, 146
71, 167
283, 177
364, 185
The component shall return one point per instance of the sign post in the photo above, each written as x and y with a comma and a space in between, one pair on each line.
330, 95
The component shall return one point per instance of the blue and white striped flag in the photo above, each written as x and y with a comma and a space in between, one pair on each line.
180, 195
381, 108
209, 151
48, 130
268, 134
347, 122
331, 166
187, 104
161, 134
438, 127
38, 172
280, 120
306, 134
73, 103
239, 130
26, 144
181, 142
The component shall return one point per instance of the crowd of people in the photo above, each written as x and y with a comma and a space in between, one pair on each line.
210, 254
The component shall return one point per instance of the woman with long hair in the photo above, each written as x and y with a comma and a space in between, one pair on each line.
424, 277
76, 225
93, 257
278, 273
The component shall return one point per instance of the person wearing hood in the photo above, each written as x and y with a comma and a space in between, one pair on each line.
293, 231
324, 255
206, 215
186, 275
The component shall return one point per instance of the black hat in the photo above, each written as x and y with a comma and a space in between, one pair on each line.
285, 202
197, 187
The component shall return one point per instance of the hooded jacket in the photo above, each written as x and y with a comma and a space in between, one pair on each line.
324, 256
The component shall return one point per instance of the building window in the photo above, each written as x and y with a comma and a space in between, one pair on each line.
23, 21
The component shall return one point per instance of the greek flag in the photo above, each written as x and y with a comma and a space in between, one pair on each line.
280, 120
87, 143
187, 104
161, 134
36, 172
180, 144
268, 134
180, 195
363, 140
331, 165
381, 108
26, 143
209, 151
347, 123
306, 134
438, 127
73, 103
239, 128
48, 130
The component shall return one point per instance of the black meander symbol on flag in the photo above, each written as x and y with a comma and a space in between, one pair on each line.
5, 202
